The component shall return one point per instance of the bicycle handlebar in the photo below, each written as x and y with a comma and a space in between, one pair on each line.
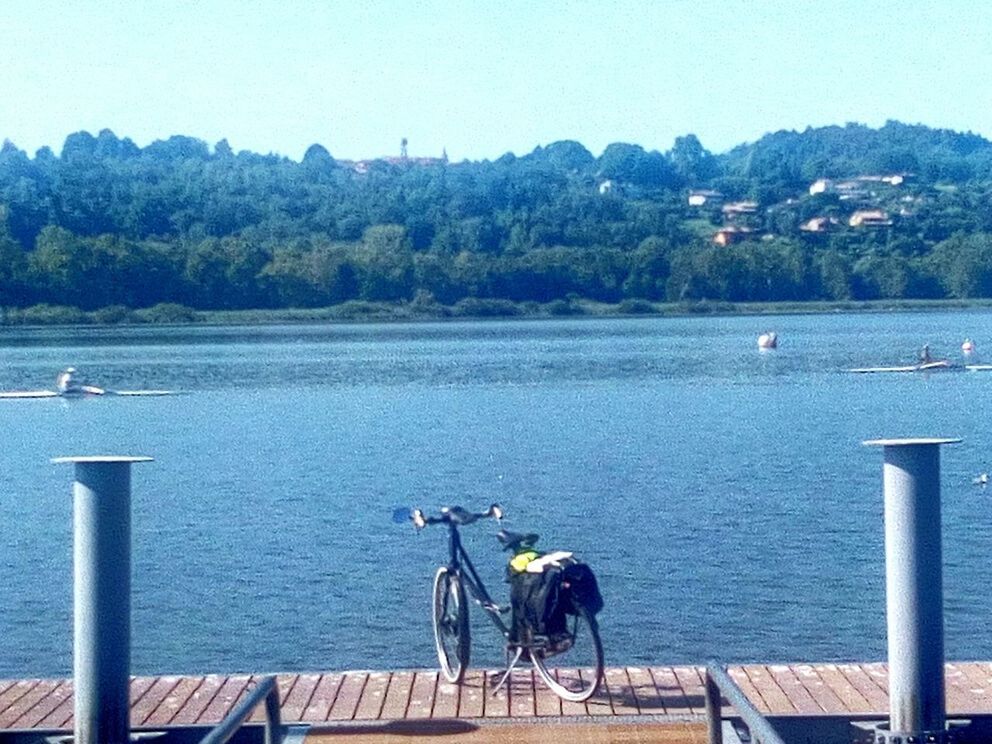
454, 515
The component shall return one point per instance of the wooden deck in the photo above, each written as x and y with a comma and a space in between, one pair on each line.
673, 693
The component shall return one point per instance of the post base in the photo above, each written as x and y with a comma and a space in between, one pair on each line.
883, 735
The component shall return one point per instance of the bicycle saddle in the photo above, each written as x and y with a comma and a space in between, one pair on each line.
515, 540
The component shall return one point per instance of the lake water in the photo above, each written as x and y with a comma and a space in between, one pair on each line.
722, 494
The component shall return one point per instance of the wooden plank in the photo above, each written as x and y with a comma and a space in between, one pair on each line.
192, 710
621, 691
445, 699
59, 716
318, 708
422, 695
174, 701
24, 703
601, 703
138, 687
472, 695
397, 695
827, 700
153, 697
370, 706
498, 704
570, 677
791, 685
670, 692
641, 695
979, 675
752, 693
880, 675
546, 703
45, 708
15, 691
693, 690
350, 692
866, 685
299, 697
849, 698
523, 702
778, 702
226, 697
959, 694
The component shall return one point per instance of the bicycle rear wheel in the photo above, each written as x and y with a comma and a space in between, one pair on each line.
451, 631
577, 660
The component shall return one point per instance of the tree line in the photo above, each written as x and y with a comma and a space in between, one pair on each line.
108, 224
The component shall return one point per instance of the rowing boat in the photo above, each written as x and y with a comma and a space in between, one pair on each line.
929, 366
21, 394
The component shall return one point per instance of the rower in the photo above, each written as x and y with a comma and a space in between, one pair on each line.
925, 357
65, 383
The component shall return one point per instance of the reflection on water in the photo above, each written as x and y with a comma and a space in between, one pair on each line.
722, 494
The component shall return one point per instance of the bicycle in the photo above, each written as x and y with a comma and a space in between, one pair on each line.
579, 647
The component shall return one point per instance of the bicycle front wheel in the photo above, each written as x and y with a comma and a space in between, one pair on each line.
577, 660
451, 633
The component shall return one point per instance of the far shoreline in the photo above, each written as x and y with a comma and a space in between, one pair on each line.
353, 312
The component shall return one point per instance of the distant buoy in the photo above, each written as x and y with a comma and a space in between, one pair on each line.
768, 341
968, 346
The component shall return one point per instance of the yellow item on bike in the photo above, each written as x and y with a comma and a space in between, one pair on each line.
518, 563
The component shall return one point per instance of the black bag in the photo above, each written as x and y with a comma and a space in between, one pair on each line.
580, 589
539, 605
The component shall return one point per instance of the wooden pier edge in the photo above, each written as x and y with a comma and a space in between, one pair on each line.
646, 693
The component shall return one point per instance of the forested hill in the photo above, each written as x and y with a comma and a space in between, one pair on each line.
831, 213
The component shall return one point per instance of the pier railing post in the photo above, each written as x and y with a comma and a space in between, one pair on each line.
102, 597
914, 587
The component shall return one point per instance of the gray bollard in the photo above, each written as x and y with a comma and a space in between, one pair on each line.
914, 588
102, 597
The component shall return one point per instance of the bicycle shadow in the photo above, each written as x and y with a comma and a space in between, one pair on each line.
676, 703
410, 728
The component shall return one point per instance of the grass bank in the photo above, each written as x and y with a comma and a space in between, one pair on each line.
472, 308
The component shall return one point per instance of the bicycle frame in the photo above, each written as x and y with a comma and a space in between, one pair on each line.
471, 580
451, 619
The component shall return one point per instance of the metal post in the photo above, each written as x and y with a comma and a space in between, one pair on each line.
914, 586
102, 597
714, 711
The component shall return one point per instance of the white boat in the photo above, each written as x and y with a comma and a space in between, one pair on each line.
768, 340
21, 394
928, 367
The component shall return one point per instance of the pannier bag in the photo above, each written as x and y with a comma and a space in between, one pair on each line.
548, 590
581, 588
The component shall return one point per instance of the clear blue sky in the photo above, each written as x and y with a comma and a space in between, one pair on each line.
485, 78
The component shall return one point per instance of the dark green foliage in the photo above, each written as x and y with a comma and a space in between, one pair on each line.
166, 312
175, 227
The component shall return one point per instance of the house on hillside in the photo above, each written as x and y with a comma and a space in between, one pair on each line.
703, 197
818, 224
853, 188
820, 186
870, 218
738, 209
733, 234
